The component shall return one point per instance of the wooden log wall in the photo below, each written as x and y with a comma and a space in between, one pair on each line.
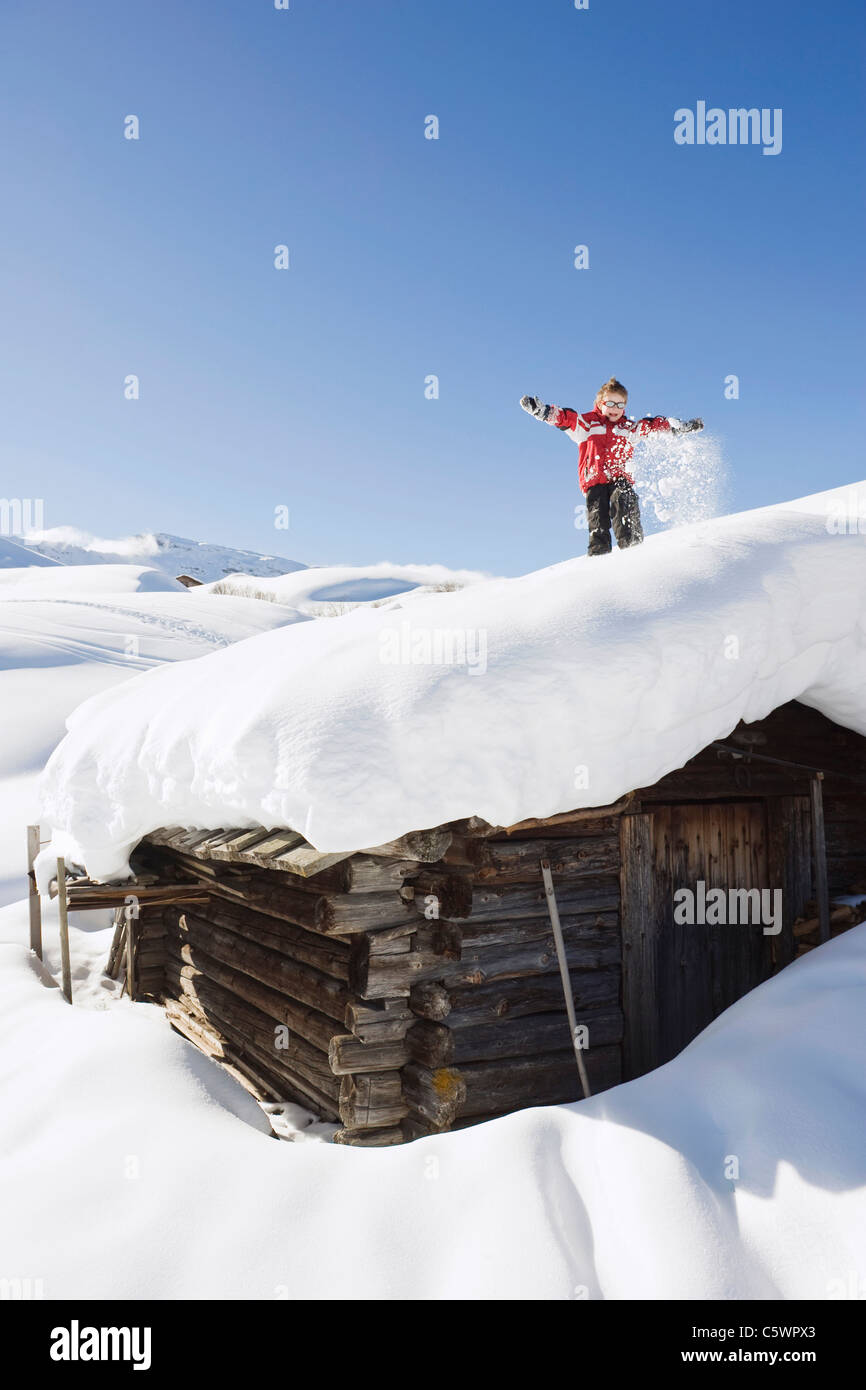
400, 998
258, 976
492, 1034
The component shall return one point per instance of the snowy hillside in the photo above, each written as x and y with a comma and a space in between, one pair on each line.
173, 555
507, 699
68, 631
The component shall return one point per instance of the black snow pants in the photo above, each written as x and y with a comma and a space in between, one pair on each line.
612, 502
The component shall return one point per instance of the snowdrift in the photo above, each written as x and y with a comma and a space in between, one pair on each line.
510, 698
737, 1171
328, 590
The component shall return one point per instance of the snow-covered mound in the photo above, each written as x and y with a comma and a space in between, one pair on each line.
507, 699
737, 1171
49, 580
174, 555
329, 590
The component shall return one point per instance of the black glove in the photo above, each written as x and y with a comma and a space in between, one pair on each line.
535, 407
686, 426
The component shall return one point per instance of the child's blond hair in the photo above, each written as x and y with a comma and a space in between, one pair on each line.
611, 385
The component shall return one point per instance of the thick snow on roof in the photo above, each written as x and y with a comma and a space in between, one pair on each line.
508, 699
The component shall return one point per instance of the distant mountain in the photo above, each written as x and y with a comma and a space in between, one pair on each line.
66, 545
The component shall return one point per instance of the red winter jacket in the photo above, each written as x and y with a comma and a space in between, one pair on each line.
605, 448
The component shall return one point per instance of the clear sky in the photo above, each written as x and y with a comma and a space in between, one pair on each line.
411, 257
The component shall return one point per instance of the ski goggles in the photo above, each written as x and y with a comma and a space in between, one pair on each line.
615, 405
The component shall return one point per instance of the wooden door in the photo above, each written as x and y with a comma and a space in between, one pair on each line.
678, 976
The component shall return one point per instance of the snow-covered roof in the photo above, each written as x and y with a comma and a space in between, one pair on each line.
509, 699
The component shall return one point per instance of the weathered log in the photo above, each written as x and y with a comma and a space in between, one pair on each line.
316, 1027
376, 977
348, 1054
299, 981
492, 903
370, 1138
329, 914
378, 1021
373, 1101
443, 895
300, 1065
470, 1005
286, 1049
363, 873
577, 818
517, 861
331, 957
435, 1045
426, 846
517, 931
438, 1096
486, 1088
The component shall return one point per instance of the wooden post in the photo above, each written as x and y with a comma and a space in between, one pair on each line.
35, 901
819, 849
62, 913
563, 970
129, 912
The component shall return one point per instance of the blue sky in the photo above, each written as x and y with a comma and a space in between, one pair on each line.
410, 257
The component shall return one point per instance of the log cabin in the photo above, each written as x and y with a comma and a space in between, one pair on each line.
413, 988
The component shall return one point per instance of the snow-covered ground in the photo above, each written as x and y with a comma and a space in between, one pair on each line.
69, 632
133, 1167
506, 699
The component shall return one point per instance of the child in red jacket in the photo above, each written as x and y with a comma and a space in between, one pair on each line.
605, 437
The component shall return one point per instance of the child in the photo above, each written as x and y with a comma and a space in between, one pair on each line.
605, 437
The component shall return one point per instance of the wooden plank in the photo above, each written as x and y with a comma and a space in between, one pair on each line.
588, 813
819, 849
63, 920
306, 862
640, 928
34, 901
